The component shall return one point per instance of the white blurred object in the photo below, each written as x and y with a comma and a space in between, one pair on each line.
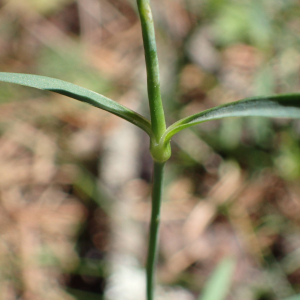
128, 282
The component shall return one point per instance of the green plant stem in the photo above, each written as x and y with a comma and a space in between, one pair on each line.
158, 170
156, 108
160, 152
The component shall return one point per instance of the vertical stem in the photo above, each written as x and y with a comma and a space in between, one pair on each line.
154, 227
156, 108
160, 152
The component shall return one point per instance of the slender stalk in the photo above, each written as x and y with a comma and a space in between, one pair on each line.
154, 227
159, 151
156, 108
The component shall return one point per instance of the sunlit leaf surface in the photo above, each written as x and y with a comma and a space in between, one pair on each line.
282, 106
78, 93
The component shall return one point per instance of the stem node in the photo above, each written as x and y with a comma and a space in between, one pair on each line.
160, 152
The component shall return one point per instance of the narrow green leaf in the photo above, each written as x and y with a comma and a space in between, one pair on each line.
78, 93
281, 106
295, 297
219, 283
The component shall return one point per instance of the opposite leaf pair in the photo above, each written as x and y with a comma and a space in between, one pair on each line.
281, 106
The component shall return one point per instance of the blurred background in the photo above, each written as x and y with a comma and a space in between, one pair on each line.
75, 180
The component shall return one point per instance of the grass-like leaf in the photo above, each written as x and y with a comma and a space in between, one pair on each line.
281, 106
295, 297
78, 93
219, 283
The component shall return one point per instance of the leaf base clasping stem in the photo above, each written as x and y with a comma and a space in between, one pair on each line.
160, 151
